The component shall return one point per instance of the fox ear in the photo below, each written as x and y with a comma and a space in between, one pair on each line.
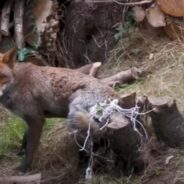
9, 57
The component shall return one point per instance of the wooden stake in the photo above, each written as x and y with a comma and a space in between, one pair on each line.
5, 17
18, 20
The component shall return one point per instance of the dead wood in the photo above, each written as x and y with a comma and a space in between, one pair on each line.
31, 179
167, 121
5, 17
119, 78
95, 68
90, 69
123, 77
18, 20
133, 3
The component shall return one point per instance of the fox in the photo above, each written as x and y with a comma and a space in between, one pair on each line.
36, 92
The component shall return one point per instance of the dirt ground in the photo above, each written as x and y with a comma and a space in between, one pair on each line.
163, 66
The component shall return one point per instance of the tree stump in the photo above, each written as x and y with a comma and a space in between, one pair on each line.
125, 143
167, 121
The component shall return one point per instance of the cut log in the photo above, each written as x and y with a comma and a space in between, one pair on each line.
119, 78
90, 69
127, 100
117, 122
167, 121
18, 20
32, 179
123, 77
125, 143
95, 68
172, 7
5, 17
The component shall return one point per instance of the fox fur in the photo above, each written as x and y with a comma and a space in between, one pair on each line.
35, 92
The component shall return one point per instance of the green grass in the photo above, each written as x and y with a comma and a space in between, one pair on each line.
130, 87
11, 133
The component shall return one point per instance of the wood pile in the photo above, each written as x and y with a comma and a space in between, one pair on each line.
163, 13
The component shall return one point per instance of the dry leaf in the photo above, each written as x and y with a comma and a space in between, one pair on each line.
138, 13
172, 7
155, 17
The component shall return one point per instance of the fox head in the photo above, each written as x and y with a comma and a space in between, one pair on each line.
7, 62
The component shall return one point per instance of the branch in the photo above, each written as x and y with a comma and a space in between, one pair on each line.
123, 77
94, 70
36, 179
119, 78
90, 69
132, 3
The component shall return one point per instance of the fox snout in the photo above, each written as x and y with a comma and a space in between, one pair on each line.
7, 62
6, 79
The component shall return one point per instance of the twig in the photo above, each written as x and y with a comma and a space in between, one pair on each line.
132, 3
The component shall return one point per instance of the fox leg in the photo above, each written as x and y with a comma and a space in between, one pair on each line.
24, 144
32, 138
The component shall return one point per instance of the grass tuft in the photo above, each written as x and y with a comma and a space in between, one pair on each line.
11, 134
